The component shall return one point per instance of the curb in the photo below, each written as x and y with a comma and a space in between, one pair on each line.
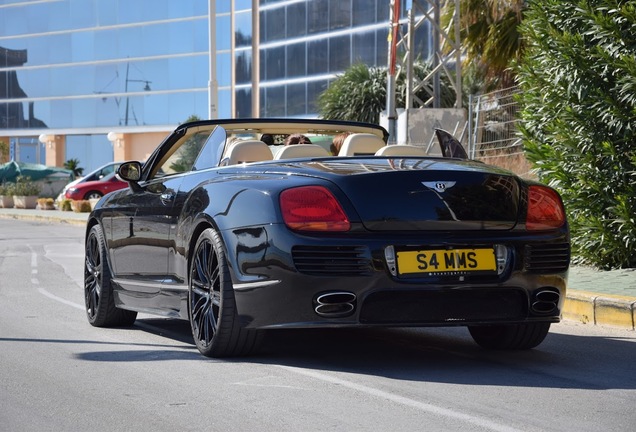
45, 218
597, 309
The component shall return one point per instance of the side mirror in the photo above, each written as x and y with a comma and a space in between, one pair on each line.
130, 171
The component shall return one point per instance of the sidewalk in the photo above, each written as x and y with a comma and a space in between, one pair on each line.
44, 215
593, 296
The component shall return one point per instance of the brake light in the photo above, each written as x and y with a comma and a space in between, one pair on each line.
545, 210
312, 208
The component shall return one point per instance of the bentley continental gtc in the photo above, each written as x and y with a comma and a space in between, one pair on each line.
230, 229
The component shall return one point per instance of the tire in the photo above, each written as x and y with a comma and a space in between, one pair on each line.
98, 290
211, 306
93, 195
510, 337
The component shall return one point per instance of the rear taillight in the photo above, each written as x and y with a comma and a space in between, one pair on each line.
545, 210
312, 208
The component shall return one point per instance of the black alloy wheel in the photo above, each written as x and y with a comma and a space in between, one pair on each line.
98, 291
211, 306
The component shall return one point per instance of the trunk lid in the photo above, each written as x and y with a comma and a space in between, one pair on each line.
427, 194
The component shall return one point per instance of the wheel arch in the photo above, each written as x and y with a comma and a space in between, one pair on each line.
201, 224
90, 223
93, 191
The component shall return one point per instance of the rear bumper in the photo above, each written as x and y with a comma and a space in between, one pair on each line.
274, 288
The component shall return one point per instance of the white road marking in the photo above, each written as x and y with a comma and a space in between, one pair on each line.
36, 281
422, 406
267, 381
59, 299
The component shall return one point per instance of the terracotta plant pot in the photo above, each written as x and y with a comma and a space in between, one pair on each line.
6, 201
25, 202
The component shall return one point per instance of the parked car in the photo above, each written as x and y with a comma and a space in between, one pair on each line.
217, 230
95, 189
97, 174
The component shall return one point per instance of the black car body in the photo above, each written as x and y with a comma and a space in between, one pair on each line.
241, 245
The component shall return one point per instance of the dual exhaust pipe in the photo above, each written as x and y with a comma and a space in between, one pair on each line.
545, 301
335, 304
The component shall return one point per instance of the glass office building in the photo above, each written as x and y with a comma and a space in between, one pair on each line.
84, 68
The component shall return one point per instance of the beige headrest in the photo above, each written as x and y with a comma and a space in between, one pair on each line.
361, 144
248, 151
300, 151
401, 150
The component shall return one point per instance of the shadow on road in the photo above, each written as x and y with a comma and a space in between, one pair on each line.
446, 355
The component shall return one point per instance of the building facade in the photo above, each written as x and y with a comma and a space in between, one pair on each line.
104, 80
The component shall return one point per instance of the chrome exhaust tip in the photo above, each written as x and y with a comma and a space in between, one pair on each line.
335, 304
545, 301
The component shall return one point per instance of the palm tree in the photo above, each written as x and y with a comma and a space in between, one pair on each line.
359, 94
73, 165
490, 37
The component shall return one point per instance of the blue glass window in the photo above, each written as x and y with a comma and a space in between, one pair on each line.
243, 68
317, 57
296, 100
296, 61
275, 61
317, 16
274, 24
244, 103
339, 53
296, 20
275, 102
243, 29
339, 14
363, 12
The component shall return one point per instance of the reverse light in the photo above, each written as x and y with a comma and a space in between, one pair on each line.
545, 209
312, 208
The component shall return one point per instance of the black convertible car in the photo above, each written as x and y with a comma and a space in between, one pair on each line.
237, 236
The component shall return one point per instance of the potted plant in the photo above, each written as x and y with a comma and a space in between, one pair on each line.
65, 205
6, 195
81, 206
46, 203
25, 194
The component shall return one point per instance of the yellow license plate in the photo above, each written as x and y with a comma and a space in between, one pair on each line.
445, 261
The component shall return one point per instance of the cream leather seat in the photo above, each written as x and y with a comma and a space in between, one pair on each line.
401, 150
361, 144
301, 151
248, 151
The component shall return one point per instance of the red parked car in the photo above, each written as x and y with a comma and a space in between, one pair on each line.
95, 189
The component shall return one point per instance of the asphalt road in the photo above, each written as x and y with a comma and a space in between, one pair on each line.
57, 373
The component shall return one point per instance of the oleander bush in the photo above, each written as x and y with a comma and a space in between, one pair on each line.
578, 99
25, 187
6, 189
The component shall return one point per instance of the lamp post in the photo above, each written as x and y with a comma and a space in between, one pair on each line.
213, 85
146, 88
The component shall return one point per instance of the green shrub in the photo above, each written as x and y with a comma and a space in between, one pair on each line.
359, 94
65, 205
578, 99
7, 189
25, 187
